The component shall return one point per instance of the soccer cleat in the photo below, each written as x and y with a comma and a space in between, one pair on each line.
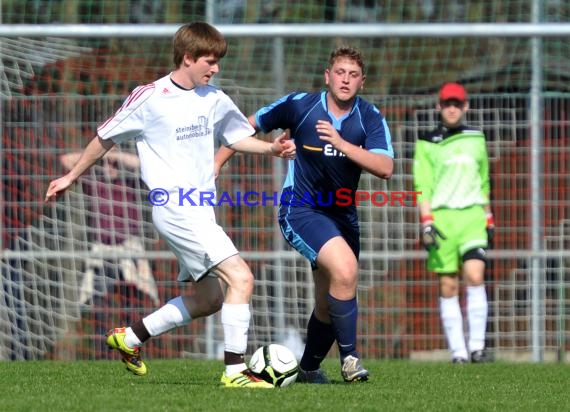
352, 370
481, 356
459, 361
316, 376
244, 379
131, 357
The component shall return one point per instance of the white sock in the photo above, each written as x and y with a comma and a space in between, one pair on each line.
477, 309
131, 340
231, 369
173, 314
235, 321
452, 320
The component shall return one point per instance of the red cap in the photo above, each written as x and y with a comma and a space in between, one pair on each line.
451, 91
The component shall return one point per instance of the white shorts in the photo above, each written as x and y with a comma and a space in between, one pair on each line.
196, 239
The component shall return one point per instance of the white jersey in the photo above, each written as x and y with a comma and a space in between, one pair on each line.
175, 132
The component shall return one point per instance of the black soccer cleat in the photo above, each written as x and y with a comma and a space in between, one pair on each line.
481, 356
316, 376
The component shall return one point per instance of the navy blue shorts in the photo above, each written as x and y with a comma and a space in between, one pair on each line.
307, 230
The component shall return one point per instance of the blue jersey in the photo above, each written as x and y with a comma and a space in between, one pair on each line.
319, 171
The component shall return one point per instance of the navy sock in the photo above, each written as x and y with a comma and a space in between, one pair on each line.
320, 338
344, 316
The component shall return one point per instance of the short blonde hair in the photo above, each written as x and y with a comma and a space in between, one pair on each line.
347, 52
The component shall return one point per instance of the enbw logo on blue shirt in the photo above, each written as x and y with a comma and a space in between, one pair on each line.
329, 150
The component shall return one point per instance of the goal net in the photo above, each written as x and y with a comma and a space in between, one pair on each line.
73, 269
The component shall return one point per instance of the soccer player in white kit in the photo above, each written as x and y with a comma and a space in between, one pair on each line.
175, 122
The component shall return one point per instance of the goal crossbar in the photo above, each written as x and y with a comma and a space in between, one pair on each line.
295, 30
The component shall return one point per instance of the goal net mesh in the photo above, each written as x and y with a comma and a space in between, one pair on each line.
72, 269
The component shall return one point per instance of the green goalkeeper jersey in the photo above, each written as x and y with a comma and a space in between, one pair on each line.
451, 168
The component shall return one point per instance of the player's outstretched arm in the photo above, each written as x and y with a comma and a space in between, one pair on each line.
282, 146
128, 160
224, 153
94, 151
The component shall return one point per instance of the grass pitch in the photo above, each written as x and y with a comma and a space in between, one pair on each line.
193, 385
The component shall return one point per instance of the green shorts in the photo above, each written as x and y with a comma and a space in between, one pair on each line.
465, 230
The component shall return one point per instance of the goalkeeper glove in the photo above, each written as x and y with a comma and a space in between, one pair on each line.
430, 233
490, 227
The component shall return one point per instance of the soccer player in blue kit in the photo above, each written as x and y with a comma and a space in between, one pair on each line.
337, 135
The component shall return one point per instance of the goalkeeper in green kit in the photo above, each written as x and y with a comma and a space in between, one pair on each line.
451, 170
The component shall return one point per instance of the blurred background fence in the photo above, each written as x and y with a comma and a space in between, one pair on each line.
92, 261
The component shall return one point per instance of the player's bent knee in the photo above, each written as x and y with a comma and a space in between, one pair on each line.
475, 254
346, 280
235, 272
241, 281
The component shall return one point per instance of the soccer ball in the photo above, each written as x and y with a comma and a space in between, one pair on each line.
275, 364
